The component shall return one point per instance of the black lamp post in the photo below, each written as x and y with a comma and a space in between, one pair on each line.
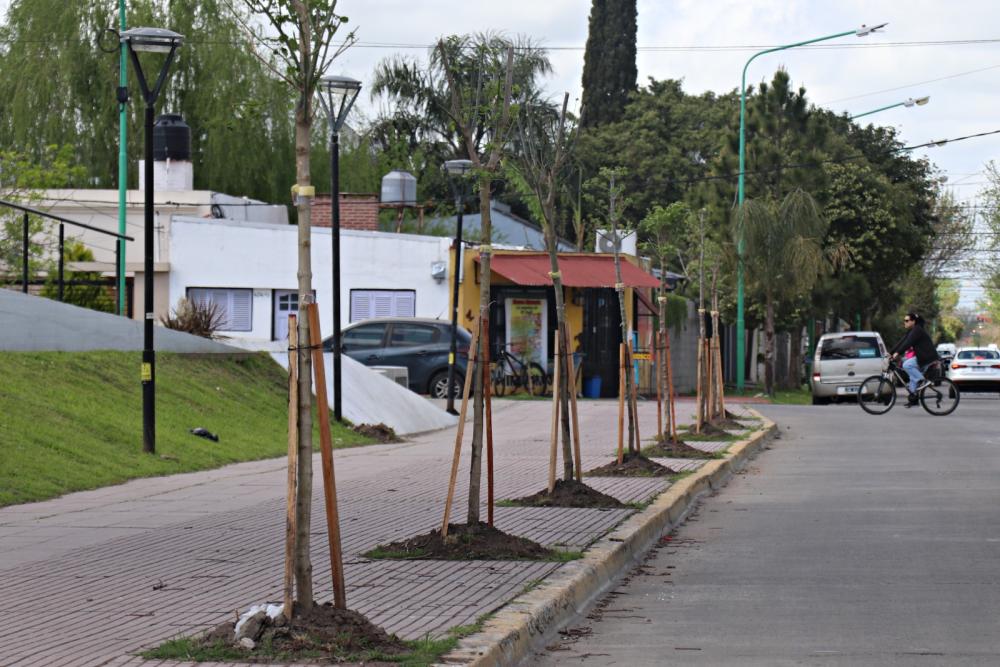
149, 40
337, 95
456, 170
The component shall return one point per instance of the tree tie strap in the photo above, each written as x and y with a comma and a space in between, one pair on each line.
620, 287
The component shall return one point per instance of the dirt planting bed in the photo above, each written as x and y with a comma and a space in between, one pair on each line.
632, 465
570, 494
463, 542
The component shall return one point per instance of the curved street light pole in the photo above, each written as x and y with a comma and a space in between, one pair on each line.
740, 319
920, 101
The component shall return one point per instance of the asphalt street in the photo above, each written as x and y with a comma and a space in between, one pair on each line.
852, 540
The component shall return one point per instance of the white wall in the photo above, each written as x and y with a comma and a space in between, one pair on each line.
263, 257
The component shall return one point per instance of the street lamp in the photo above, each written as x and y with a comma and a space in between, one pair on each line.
337, 95
919, 102
149, 40
863, 31
456, 170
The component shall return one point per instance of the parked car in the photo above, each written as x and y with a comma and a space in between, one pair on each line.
975, 369
421, 345
842, 361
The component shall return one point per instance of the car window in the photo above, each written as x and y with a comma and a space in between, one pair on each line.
978, 354
412, 335
849, 347
369, 335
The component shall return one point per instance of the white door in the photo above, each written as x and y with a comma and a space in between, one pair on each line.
286, 302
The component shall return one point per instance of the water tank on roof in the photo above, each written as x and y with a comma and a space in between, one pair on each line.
171, 138
399, 187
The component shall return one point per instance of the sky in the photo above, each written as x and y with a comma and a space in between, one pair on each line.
675, 37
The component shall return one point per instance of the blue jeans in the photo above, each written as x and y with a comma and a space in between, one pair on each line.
912, 369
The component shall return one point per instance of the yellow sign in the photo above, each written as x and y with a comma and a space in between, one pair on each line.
642, 356
147, 372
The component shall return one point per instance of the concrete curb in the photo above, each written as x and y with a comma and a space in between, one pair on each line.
518, 627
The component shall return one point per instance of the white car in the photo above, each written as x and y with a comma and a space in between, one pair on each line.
843, 360
975, 369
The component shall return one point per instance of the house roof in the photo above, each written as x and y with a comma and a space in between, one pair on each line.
577, 270
508, 228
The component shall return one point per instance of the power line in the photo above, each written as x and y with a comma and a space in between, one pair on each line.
911, 85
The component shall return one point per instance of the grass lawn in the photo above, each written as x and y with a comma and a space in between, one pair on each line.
73, 420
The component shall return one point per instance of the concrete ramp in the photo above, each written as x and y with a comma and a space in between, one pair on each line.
371, 398
36, 324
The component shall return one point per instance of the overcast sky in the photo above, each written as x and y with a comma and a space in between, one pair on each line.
854, 76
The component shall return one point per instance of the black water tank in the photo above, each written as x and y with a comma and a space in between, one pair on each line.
171, 138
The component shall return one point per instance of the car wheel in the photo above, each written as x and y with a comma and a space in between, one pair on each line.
438, 386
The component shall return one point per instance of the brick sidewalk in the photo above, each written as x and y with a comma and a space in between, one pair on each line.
79, 572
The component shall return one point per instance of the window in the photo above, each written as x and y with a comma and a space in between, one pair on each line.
366, 304
235, 306
412, 335
849, 347
978, 354
366, 336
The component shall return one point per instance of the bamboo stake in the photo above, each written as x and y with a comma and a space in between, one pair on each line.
554, 439
469, 372
719, 379
326, 455
670, 386
710, 379
621, 402
293, 451
572, 407
488, 398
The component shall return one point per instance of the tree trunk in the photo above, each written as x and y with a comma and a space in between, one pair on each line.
620, 289
485, 252
303, 502
795, 359
769, 347
560, 341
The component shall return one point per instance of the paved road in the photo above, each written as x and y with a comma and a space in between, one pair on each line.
853, 540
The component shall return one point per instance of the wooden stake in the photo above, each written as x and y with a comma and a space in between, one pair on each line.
293, 451
709, 380
469, 372
621, 402
554, 438
720, 381
326, 455
700, 388
670, 386
659, 392
488, 397
572, 407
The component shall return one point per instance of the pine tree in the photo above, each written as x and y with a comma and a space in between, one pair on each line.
609, 71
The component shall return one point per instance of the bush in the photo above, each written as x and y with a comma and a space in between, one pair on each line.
194, 318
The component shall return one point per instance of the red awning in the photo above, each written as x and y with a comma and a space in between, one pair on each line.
576, 270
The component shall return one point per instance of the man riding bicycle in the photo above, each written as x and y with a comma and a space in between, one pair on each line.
920, 342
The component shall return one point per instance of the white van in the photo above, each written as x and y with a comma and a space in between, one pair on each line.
842, 361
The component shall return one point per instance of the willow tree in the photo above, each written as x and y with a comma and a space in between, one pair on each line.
480, 98
297, 48
783, 256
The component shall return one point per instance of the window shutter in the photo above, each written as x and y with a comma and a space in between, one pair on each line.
360, 305
405, 304
383, 304
240, 313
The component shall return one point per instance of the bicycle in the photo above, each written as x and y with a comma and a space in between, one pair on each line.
937, 394
511, 373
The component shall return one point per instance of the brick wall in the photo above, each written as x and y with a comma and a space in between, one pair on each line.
357, 211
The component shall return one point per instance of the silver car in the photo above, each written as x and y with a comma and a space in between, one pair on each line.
843, 360
975, 369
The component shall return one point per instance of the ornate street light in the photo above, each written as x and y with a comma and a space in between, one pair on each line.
149, 40
456, 170
337, 95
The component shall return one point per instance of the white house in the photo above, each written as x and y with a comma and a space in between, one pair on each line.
250, 270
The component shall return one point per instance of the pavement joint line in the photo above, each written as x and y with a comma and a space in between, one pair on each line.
528, 620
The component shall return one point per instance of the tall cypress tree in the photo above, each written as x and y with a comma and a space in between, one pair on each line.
609, 71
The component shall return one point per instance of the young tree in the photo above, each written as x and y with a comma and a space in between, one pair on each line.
481, 98
783, 256
609, 69
542, 152
298, 49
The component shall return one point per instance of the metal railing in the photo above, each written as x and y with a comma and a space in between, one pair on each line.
61, 279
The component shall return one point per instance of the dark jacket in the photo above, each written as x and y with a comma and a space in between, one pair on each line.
921, 343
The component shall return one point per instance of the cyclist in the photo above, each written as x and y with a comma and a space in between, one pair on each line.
925, 353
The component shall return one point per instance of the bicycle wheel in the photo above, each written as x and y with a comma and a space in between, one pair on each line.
876, 395
499, 381
940, 398
535, 380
